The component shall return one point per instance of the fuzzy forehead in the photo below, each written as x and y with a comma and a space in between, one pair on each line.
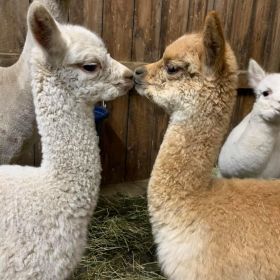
187, 45
271, 81
85, 45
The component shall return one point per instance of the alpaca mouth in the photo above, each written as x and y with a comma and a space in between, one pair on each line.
127, 85
141, 83
138, 82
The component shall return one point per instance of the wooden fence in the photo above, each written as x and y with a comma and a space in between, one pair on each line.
138, 31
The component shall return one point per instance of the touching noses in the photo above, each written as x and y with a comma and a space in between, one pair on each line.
128, 75
140, 72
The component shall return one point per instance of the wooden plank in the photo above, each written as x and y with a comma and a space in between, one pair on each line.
13, 25
261, 25
242, 27
118, 27
146, 33
197, 12
225, 10
146, 42
174, 21
77, 12
117, 34
272, 44
243, 80
88, 13
244, 104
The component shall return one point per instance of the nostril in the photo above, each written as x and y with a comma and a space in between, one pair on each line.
128, 75
140, 71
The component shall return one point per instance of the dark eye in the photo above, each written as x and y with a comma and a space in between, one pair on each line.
171, 69
90, 67
266, 93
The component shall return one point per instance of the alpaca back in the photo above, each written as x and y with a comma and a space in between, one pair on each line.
17, 117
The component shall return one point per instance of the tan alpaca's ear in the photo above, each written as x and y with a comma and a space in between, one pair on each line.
213, 44
46, 32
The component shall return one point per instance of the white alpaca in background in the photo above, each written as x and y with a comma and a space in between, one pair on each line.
45, 211
17, 117
253, 147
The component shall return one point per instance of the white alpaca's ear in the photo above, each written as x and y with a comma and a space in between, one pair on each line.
255, 73
213, 44
46, 32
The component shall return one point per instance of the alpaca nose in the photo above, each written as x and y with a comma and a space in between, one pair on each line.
128, 75
140, 72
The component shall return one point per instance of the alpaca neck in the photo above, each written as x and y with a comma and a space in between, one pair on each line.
68, 135
186, 157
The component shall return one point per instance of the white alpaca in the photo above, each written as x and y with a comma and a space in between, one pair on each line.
17, 115
45, 211
253, 147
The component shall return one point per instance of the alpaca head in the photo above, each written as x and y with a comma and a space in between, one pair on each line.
267, 90
77, 57
186, 78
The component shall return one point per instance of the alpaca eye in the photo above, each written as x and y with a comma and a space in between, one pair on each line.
90, 67
171, 69
266, 93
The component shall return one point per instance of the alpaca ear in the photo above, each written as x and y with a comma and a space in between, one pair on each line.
255, 73
213, 44
46, 32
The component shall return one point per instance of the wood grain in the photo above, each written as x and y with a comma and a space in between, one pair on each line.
146, 42
174, 21
271, 59
117, 34
89, 14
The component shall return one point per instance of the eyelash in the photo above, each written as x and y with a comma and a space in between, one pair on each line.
171, 69
90, 67
266, 93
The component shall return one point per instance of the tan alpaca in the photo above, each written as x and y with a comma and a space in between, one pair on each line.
17, 115
205, 228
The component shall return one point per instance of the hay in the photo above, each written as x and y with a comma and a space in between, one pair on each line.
120, 244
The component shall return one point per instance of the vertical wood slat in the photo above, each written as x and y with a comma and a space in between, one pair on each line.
243, 106
117, 34
197, 13
140, 118
174, 21
89, 14
261, 25
271, 58
242, 27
